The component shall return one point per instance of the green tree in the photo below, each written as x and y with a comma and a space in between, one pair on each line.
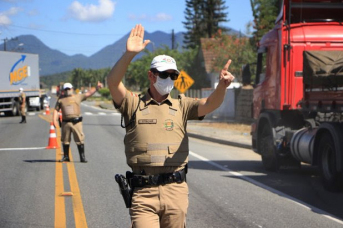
231, 47
203, 19
264, 13
83, 78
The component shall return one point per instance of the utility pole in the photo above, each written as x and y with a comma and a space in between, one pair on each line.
6, 40
173, 40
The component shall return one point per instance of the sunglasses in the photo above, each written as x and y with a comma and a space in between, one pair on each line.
166, 74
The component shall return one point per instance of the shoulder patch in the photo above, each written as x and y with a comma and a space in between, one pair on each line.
133, 94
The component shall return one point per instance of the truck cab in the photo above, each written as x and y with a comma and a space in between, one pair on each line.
292, 92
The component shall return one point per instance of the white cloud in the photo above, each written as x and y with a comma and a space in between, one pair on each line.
162, 17
5, 20
90, 12
158, 17
5, 16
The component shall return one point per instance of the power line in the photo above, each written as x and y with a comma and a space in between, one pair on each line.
62, 32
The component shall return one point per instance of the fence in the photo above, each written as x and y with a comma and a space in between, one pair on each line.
236, 107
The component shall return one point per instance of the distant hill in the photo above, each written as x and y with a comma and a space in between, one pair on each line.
53, 61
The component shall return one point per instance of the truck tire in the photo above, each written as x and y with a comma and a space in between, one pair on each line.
267, 149
332, 180
15, 109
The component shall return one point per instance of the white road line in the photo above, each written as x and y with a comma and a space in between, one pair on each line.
294, 200
102, 114
27, 148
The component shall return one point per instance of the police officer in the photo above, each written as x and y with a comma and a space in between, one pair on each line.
156, 141
22, 102
70, 104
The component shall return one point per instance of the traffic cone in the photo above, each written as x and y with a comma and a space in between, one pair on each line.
52, 138
47, 110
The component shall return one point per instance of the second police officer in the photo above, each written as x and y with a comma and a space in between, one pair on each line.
70, 104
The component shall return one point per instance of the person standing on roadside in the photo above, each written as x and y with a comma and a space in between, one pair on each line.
70, 104
156, 141
22, 103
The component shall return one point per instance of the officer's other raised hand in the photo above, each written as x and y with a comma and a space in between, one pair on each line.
100, 85
225, 77
135, 42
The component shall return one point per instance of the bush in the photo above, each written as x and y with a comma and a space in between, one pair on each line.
105, 92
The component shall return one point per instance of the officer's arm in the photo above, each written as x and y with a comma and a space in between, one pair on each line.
24, 100
54, 118
134, 45
211, 103
114, 78
93, 90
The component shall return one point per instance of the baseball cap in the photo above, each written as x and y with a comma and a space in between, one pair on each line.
67, 86
21, 89
163, 63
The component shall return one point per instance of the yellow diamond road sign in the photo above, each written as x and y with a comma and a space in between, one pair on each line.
183, 82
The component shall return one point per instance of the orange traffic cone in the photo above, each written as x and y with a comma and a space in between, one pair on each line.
47, 110
52, 138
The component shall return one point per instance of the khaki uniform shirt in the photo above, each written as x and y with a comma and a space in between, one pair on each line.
22, 97
157, 141
70, 106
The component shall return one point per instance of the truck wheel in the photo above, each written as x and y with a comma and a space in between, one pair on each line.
267, 148
15, 109
330, 177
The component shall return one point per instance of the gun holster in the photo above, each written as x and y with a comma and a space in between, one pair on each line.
124, 187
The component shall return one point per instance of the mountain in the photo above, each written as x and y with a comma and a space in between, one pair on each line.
53, 61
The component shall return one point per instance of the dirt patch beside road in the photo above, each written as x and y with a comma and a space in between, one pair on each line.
232, 126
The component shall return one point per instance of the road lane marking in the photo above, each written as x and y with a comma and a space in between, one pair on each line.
79, 213
277, 192
60, 214
26, 148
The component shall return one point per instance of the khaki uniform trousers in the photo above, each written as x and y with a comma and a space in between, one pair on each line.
68, 128
163, 206
22, 111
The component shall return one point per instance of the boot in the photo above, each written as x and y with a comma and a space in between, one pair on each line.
65, 154
23, 119
81, 149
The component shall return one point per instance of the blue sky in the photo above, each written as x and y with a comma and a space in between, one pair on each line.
87, 26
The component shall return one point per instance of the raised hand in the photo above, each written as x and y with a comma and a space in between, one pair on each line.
99, 86
225, 77
135, 41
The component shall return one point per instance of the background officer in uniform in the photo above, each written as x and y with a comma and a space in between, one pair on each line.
156, 141
70, 104
22, 102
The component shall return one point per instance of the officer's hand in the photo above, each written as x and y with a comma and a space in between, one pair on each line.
225, 77
100, 85
135, 42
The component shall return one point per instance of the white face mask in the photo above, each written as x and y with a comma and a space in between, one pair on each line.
68, 92
164, 86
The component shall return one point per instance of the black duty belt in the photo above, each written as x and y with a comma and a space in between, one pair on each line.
74, 120
159, 179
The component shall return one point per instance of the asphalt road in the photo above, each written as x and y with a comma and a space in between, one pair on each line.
227, 185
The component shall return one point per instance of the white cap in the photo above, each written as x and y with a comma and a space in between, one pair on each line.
163, 63
67, 86
21, 89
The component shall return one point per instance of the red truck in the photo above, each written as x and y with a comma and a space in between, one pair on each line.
298, 93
